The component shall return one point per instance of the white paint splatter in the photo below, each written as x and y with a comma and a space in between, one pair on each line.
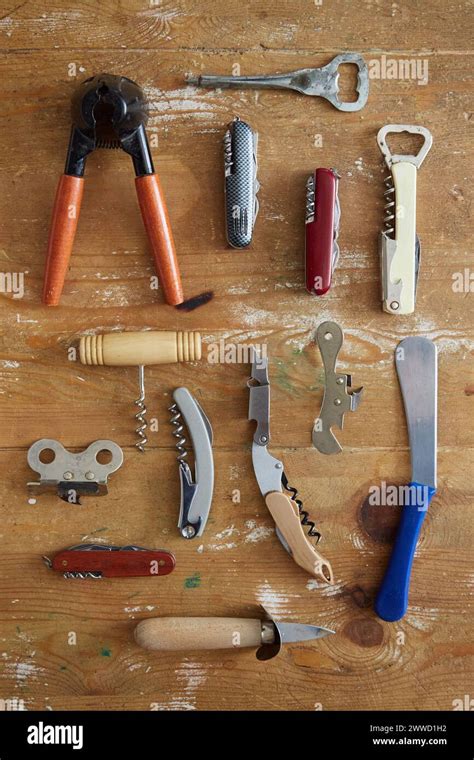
422, 618
191, 676
275, 602
259, 533
23, 670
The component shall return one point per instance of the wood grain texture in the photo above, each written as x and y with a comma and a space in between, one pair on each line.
69, 644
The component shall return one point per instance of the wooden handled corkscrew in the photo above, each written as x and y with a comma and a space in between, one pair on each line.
139, 349
109, 112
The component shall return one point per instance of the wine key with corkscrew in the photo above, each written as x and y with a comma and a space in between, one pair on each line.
400, 249
294, 527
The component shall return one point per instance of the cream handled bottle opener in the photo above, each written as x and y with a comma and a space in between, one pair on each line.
399, 243
293, 525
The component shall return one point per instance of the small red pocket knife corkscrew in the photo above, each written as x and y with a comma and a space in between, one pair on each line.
322, 227
102, 561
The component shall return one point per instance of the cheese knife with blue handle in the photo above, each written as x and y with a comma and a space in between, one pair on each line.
416, 363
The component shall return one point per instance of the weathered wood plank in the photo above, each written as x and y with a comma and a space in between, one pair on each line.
425, 661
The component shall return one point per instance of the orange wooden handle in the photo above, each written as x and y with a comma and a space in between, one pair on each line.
67, 206
156, 220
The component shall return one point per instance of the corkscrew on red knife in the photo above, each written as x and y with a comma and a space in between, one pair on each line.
322, 227
102, 561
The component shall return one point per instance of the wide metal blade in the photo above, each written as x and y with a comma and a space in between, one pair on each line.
417, 367
300, 632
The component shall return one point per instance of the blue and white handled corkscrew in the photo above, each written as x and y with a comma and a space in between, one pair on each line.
417, 368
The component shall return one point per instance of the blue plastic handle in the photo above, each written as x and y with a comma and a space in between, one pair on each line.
392, 600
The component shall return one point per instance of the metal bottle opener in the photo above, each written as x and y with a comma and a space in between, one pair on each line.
321, 81
337, 399
73, 475
196, 491
400, 249
294, 527
417, 367
241, 184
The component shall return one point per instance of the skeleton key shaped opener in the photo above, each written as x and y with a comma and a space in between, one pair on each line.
337, 399
400, 249
323, 81
294, 527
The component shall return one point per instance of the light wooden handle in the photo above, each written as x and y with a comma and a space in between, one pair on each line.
67, 206
140, 348
157, 224
174, 634
287, 518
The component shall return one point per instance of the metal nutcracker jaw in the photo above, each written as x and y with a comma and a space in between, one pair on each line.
339, 397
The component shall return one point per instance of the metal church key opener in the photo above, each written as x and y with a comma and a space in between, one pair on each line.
322, 82
339, 397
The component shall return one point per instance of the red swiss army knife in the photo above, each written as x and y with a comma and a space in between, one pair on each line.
102, 561
322, 227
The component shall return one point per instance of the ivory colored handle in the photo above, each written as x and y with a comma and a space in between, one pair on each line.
175, 633
140, 348
403, 263
67, 206
285, 513
157, 224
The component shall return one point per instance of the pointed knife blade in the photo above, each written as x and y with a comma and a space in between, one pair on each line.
417, 368
293, 632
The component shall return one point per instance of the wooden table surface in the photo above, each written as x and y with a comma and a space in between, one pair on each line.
425, 660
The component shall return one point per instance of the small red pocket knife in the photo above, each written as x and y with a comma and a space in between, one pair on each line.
322, 227
101, 561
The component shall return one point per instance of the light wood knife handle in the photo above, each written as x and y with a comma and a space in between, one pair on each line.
135, 348
170, 634
285, 513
